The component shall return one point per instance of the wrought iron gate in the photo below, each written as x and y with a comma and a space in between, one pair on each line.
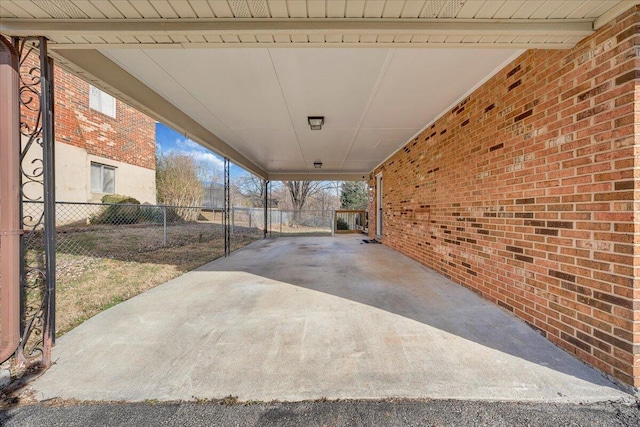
37, 163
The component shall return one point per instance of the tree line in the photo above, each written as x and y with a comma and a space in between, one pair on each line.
181, 181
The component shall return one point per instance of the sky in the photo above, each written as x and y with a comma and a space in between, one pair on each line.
171, 141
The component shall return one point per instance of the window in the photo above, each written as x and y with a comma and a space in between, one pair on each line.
102, 102
103, 178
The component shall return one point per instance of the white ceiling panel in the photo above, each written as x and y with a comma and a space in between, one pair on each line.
374, 8
297, 9
202, 9
425, 81
258, 100
325, 144
355, 9
359, 166
221, 9
145, 9
489, 9
528, 9
164, 83
183, 9
276, 144
88, 9
107, 9
315, 82
286, 166
316, 9
507, 10
412, 9
336, 9
127, 10
238, 85
164, 9
370, 144
393, 9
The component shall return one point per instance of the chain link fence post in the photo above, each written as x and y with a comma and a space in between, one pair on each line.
164, 225
333, 223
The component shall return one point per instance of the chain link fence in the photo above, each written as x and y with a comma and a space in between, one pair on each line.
121, 230
282, 222
115, 230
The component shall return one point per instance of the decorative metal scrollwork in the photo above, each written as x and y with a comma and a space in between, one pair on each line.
38, 201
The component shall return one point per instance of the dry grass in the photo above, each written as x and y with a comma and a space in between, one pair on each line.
97, 269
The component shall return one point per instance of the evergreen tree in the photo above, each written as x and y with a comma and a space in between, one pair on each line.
354, 195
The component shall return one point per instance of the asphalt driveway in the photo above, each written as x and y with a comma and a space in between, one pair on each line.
292, 319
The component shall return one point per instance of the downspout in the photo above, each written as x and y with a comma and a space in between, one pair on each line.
9, 200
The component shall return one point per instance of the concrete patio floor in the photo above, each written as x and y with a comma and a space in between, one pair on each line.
310, 318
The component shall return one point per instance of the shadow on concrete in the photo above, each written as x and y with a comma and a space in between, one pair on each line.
380, 277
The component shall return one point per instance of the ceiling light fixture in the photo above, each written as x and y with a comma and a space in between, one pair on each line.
317, 165
315, 122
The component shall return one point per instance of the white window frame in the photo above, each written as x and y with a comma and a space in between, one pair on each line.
102, 169
102, 102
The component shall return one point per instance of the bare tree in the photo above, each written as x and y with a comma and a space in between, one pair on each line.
252, 188
299, 191
178, 183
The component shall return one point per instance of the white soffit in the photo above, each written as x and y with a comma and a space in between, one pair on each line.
413, 23
258, 100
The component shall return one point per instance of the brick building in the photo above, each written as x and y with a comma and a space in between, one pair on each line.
524, 192
103, 146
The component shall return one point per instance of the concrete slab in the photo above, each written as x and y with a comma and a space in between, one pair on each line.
307, 318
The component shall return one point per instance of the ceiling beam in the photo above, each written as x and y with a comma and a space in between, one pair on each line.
221, 26
569, 43
100, 71
302, 176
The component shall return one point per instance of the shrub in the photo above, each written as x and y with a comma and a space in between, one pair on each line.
155, 214
121, 210
341, 224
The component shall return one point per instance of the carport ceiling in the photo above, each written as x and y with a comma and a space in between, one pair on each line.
186, 63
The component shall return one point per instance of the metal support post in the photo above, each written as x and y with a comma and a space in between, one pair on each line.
266, 205
48, 149
270, 211
227, 203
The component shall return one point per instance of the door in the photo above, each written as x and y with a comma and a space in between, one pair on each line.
379, 205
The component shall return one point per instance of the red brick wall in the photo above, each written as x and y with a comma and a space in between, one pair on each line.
525, 193
128, 138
